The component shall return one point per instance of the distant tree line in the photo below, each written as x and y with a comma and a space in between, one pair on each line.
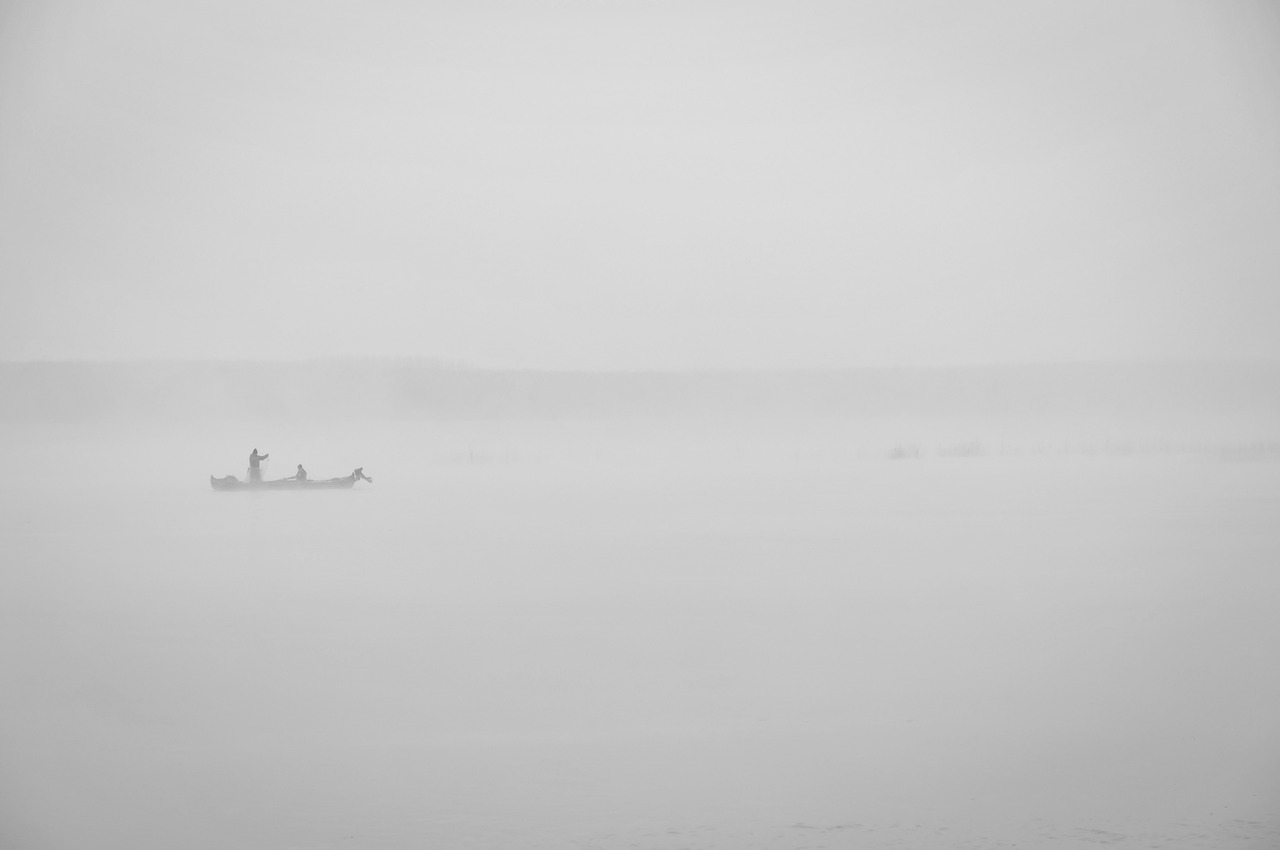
374, 388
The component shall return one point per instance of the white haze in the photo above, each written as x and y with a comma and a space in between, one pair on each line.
677, 633
694, 523
640, 185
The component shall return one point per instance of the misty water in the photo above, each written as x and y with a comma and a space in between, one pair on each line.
654, 635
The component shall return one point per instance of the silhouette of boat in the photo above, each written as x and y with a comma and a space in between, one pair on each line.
230, 482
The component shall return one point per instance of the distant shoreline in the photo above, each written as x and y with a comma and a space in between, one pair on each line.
409, 388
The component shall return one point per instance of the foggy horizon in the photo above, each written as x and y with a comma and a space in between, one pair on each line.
434, 362
1168, 394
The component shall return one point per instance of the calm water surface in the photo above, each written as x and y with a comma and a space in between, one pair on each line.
555, 637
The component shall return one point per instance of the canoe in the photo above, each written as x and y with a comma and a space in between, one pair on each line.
230, 482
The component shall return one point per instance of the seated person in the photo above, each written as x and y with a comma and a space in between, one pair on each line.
300, 475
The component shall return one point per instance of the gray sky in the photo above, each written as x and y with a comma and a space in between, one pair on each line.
640, 185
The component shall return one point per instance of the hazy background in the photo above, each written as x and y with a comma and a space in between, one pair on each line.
807, 425
641, 185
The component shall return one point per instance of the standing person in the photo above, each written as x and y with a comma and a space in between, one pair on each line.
255, 471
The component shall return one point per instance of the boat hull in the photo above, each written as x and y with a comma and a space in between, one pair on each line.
230, 482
